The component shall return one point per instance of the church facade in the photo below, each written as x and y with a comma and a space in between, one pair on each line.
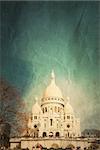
54, 117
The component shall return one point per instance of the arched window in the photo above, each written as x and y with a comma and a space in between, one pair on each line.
51, 110
68, 134
68, 117
55, 109
45, 109
51, 121
35, 117
45, 125
58, 109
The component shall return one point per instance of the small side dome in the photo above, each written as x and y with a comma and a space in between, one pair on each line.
68, 108
36, 109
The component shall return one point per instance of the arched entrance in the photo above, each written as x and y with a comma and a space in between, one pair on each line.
51, 134
70, 146
37, 146
44, 134
67, 134
57, 134
35, 131
55, 146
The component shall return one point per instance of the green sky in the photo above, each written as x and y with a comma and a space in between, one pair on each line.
37, 37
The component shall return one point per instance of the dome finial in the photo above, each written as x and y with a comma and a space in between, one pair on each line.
52, 74
52, 77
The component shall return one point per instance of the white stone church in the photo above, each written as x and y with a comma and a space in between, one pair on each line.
54, 117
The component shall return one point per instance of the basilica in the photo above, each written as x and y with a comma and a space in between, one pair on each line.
54, 116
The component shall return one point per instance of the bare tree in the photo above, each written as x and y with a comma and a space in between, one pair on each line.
12, 108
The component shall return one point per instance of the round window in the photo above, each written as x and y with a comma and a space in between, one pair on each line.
68, 126
35, 126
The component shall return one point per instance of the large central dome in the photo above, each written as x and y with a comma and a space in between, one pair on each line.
52, 91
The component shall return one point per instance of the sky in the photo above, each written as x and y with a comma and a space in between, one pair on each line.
37, 37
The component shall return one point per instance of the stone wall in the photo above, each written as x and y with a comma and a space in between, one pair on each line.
30, 142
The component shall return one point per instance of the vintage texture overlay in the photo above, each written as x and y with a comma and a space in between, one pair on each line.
37, 37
